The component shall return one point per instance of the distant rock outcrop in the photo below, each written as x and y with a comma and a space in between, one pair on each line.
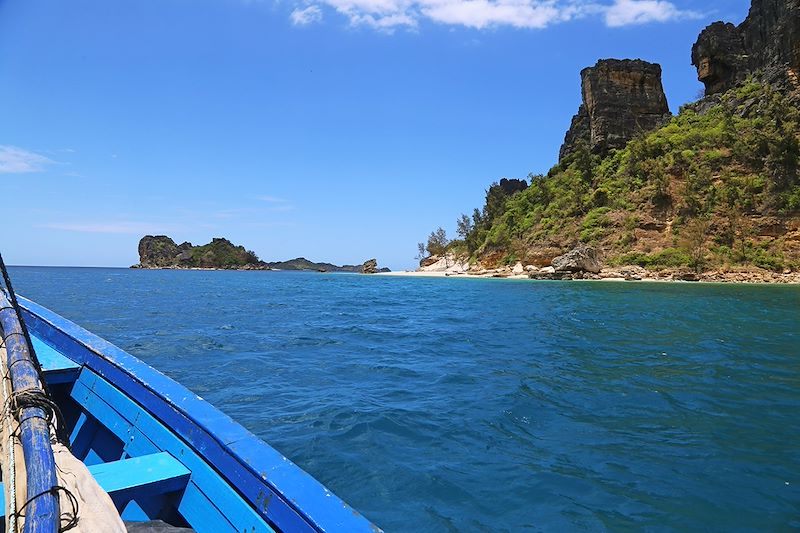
301, 263
160, 251
621, 98
370, 266
766, 44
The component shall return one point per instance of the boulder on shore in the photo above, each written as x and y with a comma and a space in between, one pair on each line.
582, 258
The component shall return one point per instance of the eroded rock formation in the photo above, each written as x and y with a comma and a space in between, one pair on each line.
621, 98
370, 266
719, 57
767, 40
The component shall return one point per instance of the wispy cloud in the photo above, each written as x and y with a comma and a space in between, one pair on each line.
388, 15
271, 199
123, 227
277, 205
14, 160
306, 16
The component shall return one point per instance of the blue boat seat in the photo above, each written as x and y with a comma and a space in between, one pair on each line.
147, 475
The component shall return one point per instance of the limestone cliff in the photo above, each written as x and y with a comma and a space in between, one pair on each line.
621, 98
765, 45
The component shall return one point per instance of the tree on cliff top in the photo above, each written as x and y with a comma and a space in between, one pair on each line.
463, 226
437, 242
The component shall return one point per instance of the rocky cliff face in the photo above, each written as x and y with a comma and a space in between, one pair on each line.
767, 44
578, 135
719, 57
621, 98
511, 186
160, 251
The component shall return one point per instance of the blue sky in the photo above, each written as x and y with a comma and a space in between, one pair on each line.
337, 130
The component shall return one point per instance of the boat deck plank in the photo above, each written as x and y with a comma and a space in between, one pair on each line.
57, 367
157, 473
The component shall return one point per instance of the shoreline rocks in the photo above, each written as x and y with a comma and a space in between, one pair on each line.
583, 263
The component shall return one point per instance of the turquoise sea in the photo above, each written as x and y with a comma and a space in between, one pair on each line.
437, 405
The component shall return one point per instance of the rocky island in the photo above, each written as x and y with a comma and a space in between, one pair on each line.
712, 193
161, 252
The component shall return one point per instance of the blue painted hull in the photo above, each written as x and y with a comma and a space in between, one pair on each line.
163, 453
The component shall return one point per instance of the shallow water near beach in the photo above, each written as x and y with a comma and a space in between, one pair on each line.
484, 405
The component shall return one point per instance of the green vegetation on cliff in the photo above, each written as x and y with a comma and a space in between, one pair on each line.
222, 253
161, 251
716, 186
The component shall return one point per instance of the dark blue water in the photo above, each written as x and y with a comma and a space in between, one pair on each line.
485, 405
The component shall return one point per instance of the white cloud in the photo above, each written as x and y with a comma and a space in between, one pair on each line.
629, 12
480, 14
383, 22
15, 160
483, 13
304, 17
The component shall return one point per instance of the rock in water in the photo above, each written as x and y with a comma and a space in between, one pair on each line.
580, 259
370, 267
621, 98
767, 40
